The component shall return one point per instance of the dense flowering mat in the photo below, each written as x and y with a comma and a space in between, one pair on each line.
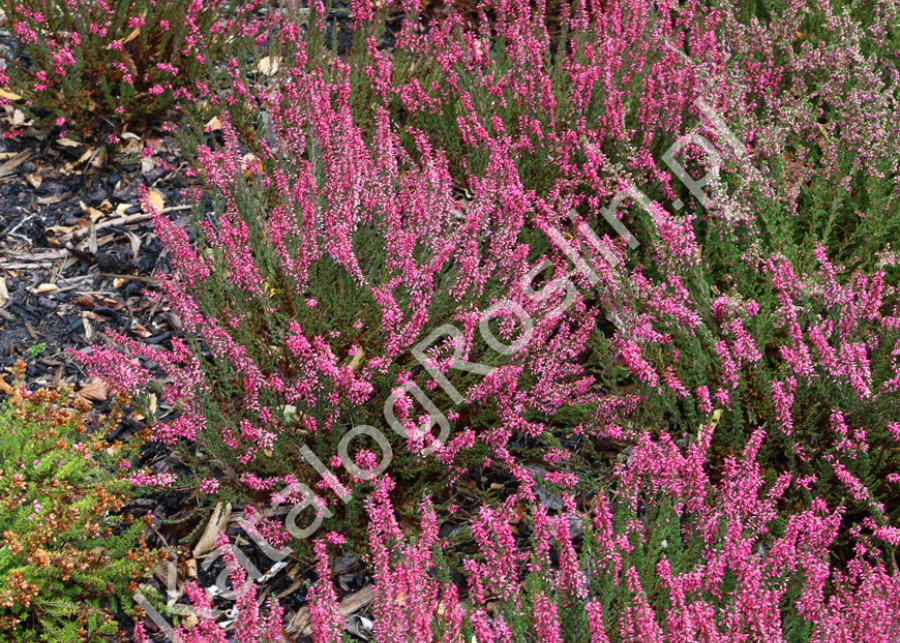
566, 321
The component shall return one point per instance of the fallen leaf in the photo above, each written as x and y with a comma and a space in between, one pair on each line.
9, 95
357, 360
85, 300
34, 179
133, 147
268, 66
214, 124
96, 391
61, 229
84, 157
134, 34
122, 208
4, 293
5, 388
93, 213
141, 332
156, 200
67, 142
216, 525
18, 118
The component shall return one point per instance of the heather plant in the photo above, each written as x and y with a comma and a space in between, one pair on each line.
340, 202
68, 559
81, 65
404, 238
397, 196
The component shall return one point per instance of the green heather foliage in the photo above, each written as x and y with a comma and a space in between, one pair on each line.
66, 558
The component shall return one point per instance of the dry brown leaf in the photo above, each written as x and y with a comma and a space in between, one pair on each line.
300, 622
134, 34
156, 200
109, 302
84, 157
357, 360
141, 332
268, 66
217, 523
96, 391
93, 213
67, 142
5, 388
214, 124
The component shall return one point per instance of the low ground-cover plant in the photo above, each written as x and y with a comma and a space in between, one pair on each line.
83, 65
67, 560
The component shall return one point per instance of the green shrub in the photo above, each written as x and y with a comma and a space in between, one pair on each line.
66, 558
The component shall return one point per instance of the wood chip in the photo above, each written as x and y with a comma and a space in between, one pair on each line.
7, 168
43, 289
34, 179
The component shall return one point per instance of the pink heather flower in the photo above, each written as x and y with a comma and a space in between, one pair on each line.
159, 480
894, 429
327, 624
366, 460
703, 401
783, 397
209, 485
